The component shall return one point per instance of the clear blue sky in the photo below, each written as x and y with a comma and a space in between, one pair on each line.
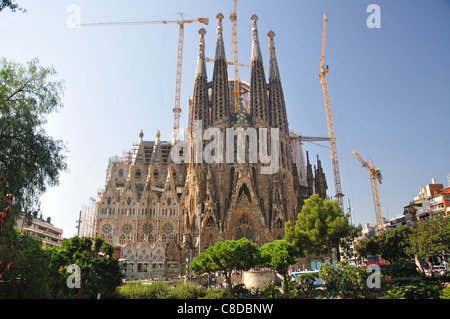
389, 87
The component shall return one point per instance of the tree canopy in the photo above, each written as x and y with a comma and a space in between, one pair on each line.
391, 245
100, 271
30, 160
279, 255
431, 237
227, 256
11, 5
320, 227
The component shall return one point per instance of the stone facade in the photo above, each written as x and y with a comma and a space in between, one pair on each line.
159, 212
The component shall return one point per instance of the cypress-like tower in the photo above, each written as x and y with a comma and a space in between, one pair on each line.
259, 106
200, 104
277, 104
220, 99
196, 177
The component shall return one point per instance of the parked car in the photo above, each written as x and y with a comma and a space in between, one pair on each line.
317, 282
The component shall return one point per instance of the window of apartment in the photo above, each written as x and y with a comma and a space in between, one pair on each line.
143, 267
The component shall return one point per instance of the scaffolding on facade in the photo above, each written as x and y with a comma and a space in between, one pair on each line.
87, 220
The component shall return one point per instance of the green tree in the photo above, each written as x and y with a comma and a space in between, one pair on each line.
100, 271
320, 228
392, 244
365, 247
24, 270
279, 255
431, 237
30, 160
11, 5
344, 280
227, 256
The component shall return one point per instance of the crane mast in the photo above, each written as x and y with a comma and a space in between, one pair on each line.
177, 108
180, 22
234, 50
375, 175
329, 115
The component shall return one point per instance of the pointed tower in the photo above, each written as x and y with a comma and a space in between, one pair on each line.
220, 102
309, 176
200, 99
277, 106
259, 106
196, 179
320, 182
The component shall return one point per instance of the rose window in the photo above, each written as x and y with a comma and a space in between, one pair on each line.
106, 229
126, 229
168, 228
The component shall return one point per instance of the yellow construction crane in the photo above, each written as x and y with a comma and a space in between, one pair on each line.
326, 95
375, 175
232, 63
180, 22
234, 50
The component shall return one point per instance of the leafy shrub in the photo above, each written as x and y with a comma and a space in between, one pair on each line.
305, 282
240, 290
411, 288
163, 290
186, 291
343, 280
445, 293
211, 293
271, 292
402, 268
154, 290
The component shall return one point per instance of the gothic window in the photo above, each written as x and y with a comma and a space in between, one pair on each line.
129, 254
169, 201
147, 229
168, 228
277, 195
108, 201
210, 223
120, 172
278, 224
244, 190
127, 228
129, 201
106, 230
243, 221
122, 239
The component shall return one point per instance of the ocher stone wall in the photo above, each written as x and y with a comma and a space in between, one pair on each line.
258, 279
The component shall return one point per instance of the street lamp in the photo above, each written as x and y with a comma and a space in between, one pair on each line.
200, 216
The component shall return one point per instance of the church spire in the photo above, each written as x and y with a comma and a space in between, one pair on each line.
259, 104
220, 48
256, 50
274, 73
277, 105
309, 176
220, 99
201, 63
200, 97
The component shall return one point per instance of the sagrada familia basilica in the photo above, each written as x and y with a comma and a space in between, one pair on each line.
161, 205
